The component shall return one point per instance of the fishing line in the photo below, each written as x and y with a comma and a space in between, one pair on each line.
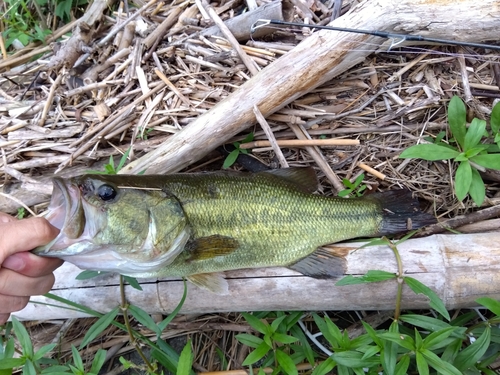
395, 37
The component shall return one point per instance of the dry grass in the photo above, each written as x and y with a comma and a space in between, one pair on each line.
124, 95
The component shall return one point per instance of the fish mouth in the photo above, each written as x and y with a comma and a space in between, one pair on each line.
66, 213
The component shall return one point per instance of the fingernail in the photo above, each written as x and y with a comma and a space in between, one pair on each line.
14, 263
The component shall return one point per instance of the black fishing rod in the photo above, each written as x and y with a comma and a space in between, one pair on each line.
402, 37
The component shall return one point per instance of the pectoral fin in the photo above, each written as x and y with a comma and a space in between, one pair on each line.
213, 282
321, 265
209, 247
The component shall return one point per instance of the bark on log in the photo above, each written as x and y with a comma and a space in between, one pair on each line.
316, 60
459, 268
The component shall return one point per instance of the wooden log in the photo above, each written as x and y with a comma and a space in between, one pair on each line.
459, 268
316, 60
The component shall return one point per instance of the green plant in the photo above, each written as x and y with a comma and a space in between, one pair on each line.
110, 167
233, 155
471, 154
353, 187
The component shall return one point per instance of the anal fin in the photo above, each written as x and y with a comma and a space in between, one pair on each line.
213, 282
321, 265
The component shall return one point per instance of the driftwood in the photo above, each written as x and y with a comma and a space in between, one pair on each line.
459, 268
319, 58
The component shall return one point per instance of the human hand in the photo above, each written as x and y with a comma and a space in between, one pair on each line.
23, 274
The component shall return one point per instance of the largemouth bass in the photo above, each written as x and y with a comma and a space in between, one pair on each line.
197, 225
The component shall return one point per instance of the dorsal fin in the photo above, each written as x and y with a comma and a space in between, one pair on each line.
303, 178
209, 247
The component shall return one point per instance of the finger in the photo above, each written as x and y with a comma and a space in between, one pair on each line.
31, 265
24, 235
4, 318
15, 284
4, 218
9, 304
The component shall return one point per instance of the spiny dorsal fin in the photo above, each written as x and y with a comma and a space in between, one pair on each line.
304, 178
321, 265
209, 247
213, 282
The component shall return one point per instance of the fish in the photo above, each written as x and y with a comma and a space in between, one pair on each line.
198, 225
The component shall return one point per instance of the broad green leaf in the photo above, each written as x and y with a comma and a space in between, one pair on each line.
276, 322
371, 351
491, 161
457, 119
402, 365
144, 318
354, 359
77, 359
132, 281
23, 337
463, 179
99, 326
451, 351
373, 334
87, 274
495, 118
165, 322
474, 133
185, 360
324, 367
475, 151
477, 189
422, 365
284, 339
437, 339
296, 331
430, 151
425, 322
372, 276
333, 339
389, 353
11, 363
249, 340
123, 160
401, 339
490, 303
439, 365
473, 353
435, 302
98, 362
286, 363
42, 351
29, 368
248, 138
333, 334
257, 354
255, 323
231, 158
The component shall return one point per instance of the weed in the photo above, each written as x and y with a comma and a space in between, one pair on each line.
354, 188
471, 154
233, 155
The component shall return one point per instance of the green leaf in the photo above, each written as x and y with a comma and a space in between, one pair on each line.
490, 303
296, 331
475, 151
29, 368
144, 318
165, 322
373, 334
11, 363
457, 119
286, 363
422, 366
276, 322
401, 339
257, 354
474, 133
132, 281
477, 189
324, 367
430, 151
435, 302
463, 180
371, 276
87, 274
23, 337
99, 326
123, 160
389, 353
439, 365
437, 339
255, 323
425, 322
231, 158
77, 359
42, 351
98, 362
495, 118
371, 351
402, 365
248, 138
491, 161
284, 339
473, 353
249, 340
354, 359
185, 360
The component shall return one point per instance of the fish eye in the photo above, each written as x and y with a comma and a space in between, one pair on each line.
106, 192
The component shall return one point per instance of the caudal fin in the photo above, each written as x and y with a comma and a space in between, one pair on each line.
401, 212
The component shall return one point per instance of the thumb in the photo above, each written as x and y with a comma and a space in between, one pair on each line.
24, 235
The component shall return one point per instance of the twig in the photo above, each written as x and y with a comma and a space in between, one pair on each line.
269, 133
50, 98
302, 143
372, 171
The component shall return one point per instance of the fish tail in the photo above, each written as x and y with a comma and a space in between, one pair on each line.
400, 212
